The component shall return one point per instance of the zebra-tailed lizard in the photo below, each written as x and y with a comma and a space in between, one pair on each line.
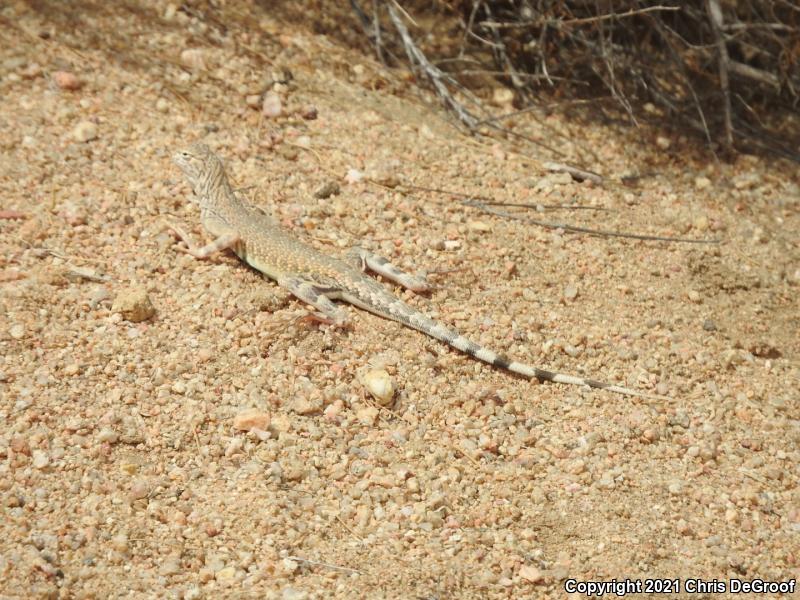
319, 279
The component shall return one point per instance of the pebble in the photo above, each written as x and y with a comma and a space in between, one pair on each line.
675, 488
380, 386
85, 131
571, 292
702, 183
694, 296
72, 369
271, 106
479, 226
140, 488
701, 223
353, 176
663, 142
303, 405
40, 459
194, 58
327, 189
251, 418
169, 566
531, 574
503, 96
107, 434
746, 181
709, 325
367, 415
225, 574
17, 331
253, 100
290, 593
133, 304
66, 80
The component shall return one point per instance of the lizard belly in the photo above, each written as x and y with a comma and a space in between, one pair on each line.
270, 270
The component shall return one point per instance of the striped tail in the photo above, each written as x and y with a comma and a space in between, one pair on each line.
399, 311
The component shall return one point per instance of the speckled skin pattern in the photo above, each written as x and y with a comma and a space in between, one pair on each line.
317, 278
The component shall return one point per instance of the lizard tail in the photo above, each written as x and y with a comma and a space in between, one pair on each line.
404, 314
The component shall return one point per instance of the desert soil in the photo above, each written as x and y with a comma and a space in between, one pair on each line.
176, 428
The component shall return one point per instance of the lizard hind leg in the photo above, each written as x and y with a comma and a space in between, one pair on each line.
319, 297
363, 259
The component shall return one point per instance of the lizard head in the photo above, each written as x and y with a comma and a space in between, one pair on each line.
194, 161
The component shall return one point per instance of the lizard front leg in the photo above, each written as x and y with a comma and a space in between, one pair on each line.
223, 242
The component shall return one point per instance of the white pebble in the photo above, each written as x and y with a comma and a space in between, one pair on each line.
85, 131
40, 459
272, 106
571, 292
353, 176
380, 385
107, 435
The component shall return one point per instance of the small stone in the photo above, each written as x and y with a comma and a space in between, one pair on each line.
701, 223
289, 565
72, 369
503, 96
66, 80
760, 236
234, 446
225, 574
531, 574
271, 106
479, 226
294, 470
675, 488
353, 176
133, 304
162, 105
702, 183
107, 435
194, 58
140, 489
40, 459
746, 181
367, 415
253, 100
17, 331
119, 543
663, 143
290, 593
169, 566
709, 325
694, 296
251, 418
328, 189
309, 113
85, 131
571, 292
380, 385
304, 405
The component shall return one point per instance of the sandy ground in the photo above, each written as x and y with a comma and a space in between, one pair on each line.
176, 428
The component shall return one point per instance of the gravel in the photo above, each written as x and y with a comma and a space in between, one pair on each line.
176, 428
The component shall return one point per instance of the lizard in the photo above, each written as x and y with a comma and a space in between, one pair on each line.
317, 278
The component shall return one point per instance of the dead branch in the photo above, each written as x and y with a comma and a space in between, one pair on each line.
573, 229
435, 75
717, 25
